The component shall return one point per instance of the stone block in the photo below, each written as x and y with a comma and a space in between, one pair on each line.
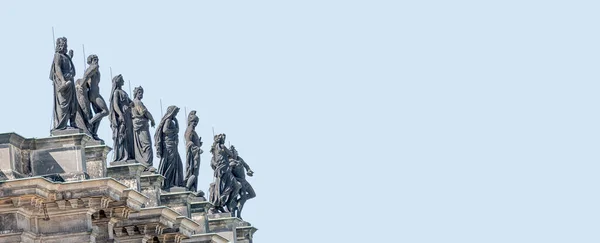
63, 155
219, 215
177, 189
225, 224
95, 157
11, 166
8, 223
72, 222
178, 201
244, 234
126, 162
198, 213
150, 186
206, 238
232, 228
229, 235
14, 160
66, 132
127, 173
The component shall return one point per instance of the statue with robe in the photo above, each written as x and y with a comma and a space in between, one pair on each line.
120, 121
166, 140
192, 147
224, 190
62, 73
141, 130
239, 168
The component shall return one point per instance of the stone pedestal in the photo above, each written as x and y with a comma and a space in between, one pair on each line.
14, 156
150, 187
126, 172
60, 155
199, 211
244, 234
232, 228
63, 156
178, 201
95, 157
65, 132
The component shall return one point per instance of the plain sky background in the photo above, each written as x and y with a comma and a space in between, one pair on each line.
364, 121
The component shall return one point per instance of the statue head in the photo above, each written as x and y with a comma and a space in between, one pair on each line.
172, 112
61, 45
92, 59
193, 119
118, 80
138, 93
233, 151
219, 139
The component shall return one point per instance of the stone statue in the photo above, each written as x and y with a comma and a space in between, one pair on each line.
83, 112
88, 96
62, 73
225, 188
239, 167
120, 121
193, 151
141, 131
166, 141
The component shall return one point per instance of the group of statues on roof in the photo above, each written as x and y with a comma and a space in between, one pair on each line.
78, 104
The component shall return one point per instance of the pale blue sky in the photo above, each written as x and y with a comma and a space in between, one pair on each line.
364, 121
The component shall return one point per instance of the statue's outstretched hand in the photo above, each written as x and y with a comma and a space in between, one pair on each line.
250, 173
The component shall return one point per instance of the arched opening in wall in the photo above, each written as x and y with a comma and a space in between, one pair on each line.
155, 240
102, 214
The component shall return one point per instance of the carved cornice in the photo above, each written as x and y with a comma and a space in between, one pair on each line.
75, 193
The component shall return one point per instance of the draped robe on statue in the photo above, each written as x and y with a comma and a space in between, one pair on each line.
166, 141
192, 159
141, 134
65, 100
122, 128
225, 187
